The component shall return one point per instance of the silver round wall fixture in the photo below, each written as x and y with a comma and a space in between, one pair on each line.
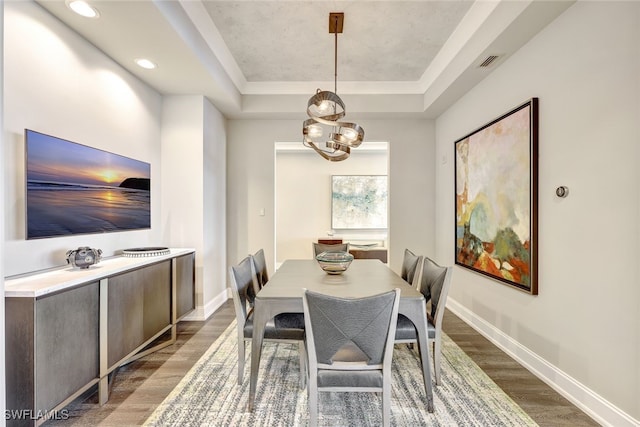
562, 191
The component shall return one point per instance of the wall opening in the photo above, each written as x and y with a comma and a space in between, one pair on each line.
303, 197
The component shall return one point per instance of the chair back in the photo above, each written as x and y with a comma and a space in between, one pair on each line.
350, 329
434, 285
242, 291
318, 248
410, 266
260, 265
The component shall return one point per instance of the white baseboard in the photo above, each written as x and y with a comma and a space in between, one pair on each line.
202, 313
584, 398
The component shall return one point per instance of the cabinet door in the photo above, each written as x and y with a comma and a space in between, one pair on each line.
66, 344
185, 285
139, 306
19, 355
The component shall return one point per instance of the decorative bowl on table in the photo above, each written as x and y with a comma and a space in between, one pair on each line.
334, 262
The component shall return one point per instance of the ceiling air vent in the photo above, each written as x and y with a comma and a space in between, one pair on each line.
488, 61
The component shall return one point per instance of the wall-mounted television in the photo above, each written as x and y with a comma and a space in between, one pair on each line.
75, 189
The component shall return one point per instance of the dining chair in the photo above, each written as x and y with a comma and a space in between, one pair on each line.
434, 284
350, 346
410, 267
318, 248
260, 265
286, 327
262, 274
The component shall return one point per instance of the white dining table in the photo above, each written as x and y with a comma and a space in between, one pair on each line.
364, 277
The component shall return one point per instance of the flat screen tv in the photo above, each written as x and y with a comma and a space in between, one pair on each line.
75, 189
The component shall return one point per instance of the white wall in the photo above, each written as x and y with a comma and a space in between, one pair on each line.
3, 399
193, 157
303, 197
57, 83
250, 155
215, 207
584, 326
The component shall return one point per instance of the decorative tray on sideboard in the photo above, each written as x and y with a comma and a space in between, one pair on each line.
145, 252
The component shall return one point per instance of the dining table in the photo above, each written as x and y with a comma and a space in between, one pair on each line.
364, 277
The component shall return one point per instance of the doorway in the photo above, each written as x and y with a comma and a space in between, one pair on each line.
303, 196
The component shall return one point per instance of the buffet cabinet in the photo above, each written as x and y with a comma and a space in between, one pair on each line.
66, 334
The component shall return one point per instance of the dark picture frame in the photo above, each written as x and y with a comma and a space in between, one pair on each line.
496, 199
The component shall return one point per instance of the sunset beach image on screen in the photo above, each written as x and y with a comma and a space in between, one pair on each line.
76, 189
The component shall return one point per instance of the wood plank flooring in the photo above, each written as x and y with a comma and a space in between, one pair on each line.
543, 404
139, 387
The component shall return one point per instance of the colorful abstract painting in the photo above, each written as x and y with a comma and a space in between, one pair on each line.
359, 202
496, 198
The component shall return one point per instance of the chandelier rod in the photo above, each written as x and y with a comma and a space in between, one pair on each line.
335, 59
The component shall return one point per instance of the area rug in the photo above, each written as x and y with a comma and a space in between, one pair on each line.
210, 396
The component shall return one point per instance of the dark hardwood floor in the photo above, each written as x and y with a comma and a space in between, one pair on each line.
543, 404
140, 386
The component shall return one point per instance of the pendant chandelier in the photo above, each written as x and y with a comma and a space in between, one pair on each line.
325, 109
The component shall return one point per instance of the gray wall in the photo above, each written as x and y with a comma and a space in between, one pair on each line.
584, 325
251, 168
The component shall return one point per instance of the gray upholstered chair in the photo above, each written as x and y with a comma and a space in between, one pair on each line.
350, 346
287, 327
323, 247
410, 267
434, 284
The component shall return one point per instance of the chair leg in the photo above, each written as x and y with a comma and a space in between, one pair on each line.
240, 359
312, 389
437, 353
303, 364
386, 403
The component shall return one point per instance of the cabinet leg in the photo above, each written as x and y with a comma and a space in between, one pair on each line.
103, 390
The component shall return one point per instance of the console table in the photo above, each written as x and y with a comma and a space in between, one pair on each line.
359, 251
369, 253
67, 329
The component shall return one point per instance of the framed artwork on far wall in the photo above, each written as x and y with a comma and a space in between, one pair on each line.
496, 193
359, 202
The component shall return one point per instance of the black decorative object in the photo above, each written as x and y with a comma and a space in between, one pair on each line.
84, 257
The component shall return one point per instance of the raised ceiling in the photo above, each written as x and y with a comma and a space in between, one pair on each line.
381, 41
265, 58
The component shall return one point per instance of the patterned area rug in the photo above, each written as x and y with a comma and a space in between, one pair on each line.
210, 396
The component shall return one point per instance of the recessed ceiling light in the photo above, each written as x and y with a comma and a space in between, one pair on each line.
83, 8
145, 63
